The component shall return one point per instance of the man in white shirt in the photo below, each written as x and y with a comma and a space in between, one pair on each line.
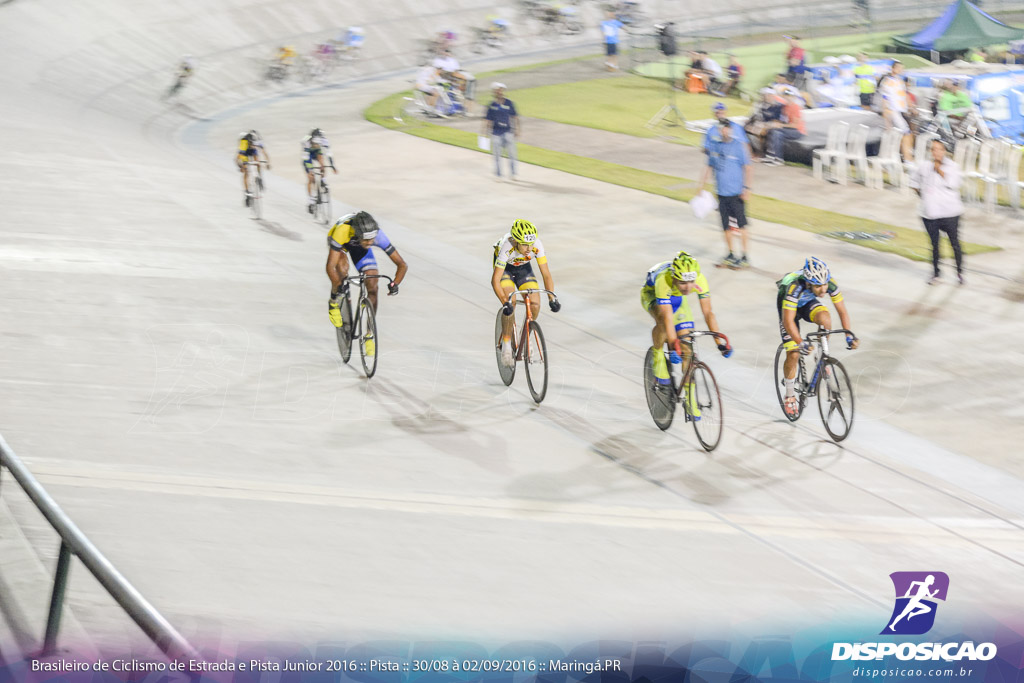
712, 75
450, 70
427, 82
938, 184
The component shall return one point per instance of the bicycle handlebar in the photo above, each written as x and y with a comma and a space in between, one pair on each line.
527, 292
825, 333
705, 333
362, 276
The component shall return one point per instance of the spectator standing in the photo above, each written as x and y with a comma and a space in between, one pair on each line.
502, 124
938, 185
796, 62
895, 107
729, 159
791, 127
865, 75
611, 27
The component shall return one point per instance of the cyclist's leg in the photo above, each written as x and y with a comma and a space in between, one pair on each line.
683, 320
821, 316
307, 165
244, 170
529, 281
658, 337
340, 270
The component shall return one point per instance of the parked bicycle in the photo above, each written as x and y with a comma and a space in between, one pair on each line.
696, 389
254, 192
527, 346
322, 199
362, 329
828, 381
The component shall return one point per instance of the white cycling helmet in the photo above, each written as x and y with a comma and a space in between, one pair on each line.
815, 271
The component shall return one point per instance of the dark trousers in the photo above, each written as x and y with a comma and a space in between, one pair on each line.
951, 226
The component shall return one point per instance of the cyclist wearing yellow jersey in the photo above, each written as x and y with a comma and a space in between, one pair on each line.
354, 236
663, 296
285, 55
798, 300
250, 148
513, 272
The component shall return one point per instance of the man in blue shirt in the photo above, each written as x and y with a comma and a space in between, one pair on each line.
713, 134
610, 27
729, 158
502, 124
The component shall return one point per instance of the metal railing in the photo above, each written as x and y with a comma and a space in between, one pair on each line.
74, 542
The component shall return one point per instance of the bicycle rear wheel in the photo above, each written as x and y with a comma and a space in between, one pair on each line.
325, 216
661, 398
507, 372
345, 331
835, 400
707, 417
535, 358
367, 337
780, 388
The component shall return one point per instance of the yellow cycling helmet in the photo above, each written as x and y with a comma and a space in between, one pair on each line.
524, 232
685, 267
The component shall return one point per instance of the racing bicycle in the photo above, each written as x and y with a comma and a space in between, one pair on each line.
322, 199
254, 194
701, 400
527, 346
363, 329
828, 381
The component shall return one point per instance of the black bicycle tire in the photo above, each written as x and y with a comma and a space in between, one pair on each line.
662, 422
257, 198
368, 318
538, 396
507, 374
706, 444
780, 390
838, 371
345, 331
325, 209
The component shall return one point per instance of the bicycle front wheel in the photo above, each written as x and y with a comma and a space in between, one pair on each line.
780, 387
507, 372
367, 337
835, 399
704, 405
257, 198
661, 398
535, 357
345, 331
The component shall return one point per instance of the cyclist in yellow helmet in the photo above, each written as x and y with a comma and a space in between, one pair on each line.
513, 271
663, 296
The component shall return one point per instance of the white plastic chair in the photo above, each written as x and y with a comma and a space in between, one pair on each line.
828, 160
997, 172
857, 154
1013, 181
888, 161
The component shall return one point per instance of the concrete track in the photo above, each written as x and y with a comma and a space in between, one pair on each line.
170, 375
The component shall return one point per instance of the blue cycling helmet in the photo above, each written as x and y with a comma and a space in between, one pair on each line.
815, 271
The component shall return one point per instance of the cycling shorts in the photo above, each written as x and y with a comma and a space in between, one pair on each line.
521, 277
682, 317
806, 311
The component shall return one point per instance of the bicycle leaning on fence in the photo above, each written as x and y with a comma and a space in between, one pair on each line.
363, 328
695, 387
527, 346
828, 381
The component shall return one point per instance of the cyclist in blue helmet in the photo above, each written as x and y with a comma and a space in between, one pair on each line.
798, 300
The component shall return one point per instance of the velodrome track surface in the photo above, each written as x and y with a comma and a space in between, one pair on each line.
171, 378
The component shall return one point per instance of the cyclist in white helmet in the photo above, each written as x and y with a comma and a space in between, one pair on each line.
798, 300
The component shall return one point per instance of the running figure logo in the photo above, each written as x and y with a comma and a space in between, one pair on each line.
916, 595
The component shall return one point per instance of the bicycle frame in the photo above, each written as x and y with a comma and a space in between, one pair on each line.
693, 335
821, 339
525, 293
259, 168
363, 292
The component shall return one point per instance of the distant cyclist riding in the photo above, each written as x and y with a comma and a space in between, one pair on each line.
663, 296
314, 148
186, 68
251, 150
514, 272
798, 300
